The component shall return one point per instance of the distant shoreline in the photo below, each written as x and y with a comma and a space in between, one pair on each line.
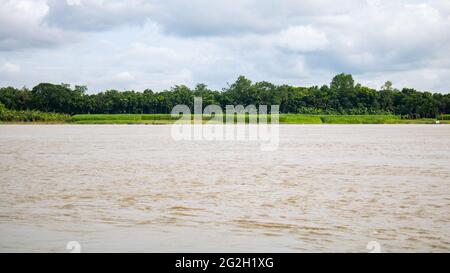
165, 119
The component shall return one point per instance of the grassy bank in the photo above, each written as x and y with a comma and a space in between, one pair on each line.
283, 119
10, 116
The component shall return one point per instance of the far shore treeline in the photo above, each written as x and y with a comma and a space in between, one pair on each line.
341, 97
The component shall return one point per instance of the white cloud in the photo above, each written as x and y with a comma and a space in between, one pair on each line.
73, 2
142, 44
302, 38
10, 68
97, 15
22, 25
124, 77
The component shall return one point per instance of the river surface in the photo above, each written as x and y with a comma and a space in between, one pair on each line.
134, 189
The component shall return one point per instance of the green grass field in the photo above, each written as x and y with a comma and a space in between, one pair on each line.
283, 119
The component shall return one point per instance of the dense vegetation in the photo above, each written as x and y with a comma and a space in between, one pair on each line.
444, 117
341, 97
283, 118
41, 117
7, 115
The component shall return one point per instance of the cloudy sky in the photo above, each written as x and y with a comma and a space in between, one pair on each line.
139, 44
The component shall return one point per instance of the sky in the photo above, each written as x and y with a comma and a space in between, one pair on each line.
149, 44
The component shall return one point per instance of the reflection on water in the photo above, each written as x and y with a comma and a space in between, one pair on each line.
132, 188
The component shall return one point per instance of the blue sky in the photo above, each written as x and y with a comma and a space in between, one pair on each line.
140, 44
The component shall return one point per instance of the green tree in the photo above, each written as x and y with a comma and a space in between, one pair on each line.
342, 82
9, 96
342, 96
55, 98
387, 86
343, 86
241, 92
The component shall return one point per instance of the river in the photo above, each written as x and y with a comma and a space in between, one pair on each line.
135, 189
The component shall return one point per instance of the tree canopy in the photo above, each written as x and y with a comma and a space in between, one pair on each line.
342, 96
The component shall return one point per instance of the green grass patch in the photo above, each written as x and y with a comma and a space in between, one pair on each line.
152, 117
106, 117
238, 118
124, 121
412, 121
300, 119
359, 119
33, 116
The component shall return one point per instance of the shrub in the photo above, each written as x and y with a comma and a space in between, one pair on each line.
444, 117
31, 116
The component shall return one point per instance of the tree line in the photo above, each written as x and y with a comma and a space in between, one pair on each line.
342, 96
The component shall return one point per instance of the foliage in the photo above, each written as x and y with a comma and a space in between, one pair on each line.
283, 119
342, 97
359, 119
32, 116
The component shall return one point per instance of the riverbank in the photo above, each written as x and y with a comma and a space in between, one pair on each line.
36, 117
283, 119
